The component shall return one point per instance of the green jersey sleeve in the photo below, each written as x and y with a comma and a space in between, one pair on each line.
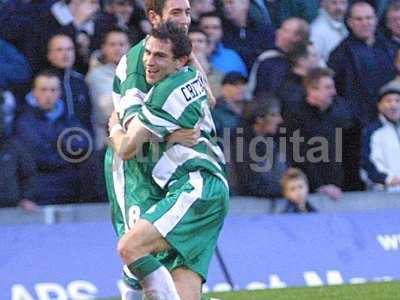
130, 86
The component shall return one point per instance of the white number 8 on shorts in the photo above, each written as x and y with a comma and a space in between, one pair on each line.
133, 215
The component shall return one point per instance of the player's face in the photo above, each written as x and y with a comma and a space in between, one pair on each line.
46, 92
177, 11
158, 60
296, 191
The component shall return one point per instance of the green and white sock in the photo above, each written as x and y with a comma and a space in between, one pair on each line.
155, 279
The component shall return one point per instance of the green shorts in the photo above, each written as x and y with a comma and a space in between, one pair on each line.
130, 193
190, 218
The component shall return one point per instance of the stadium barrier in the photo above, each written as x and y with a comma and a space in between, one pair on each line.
75, 257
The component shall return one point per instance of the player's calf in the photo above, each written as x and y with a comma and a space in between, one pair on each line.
188, 283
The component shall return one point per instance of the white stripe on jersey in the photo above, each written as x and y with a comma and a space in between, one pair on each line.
121, 71
206, 124
185, 200
132, 96
173, 158
181, 98
119, 185
215, 149
156, 121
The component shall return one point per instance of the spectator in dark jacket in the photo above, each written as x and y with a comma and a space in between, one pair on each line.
75, 93
17, 171
43, 128
271, 67
259, 160
315, 127
362, 52
243, 33
381, 142
295, 189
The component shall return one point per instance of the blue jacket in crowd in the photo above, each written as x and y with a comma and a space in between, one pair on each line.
76, 96
227, 60
14, 68
57, 179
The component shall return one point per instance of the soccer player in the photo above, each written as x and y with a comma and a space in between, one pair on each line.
129, 189
188, 220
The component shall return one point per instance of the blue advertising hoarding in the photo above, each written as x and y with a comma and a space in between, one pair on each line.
79, 260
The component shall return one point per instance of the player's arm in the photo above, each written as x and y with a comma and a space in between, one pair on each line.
126, 143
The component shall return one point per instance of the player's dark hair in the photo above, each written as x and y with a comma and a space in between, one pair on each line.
181, 45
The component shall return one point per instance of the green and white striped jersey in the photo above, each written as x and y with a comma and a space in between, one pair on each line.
129, 182
130, 86
180, 101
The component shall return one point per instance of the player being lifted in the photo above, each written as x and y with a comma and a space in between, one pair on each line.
187, 221
129, 190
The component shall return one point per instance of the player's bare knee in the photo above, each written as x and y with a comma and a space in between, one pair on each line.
135, 243
129, 247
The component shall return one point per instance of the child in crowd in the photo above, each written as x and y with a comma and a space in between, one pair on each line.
295, 189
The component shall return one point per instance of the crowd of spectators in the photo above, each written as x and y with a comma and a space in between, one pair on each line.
308, 94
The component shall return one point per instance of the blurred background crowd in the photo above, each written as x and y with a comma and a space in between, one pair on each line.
308, 94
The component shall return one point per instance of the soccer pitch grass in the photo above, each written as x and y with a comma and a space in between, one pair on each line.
370, 291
